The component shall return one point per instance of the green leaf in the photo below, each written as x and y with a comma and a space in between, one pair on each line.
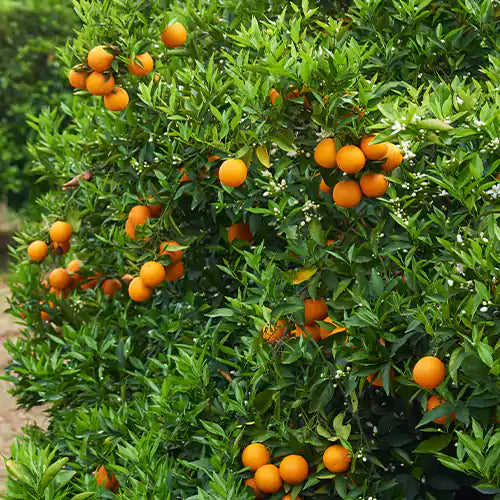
436, 443
263, 155
433, 124
52, 472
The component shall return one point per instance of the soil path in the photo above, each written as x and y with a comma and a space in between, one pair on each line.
11, 419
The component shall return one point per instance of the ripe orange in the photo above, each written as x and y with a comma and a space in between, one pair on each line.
117, 100
273, 95
325, 333
185, 177
273, 334
255, 455
288, 496
60, 232
373, 185
240, 231
73, 267
59, 278
314, 310
174, 272
347, 194
100, 84
233, 172
428, 372
393, 158
323, 186
77, 78
139, 214
130, 229
175, 255
138, 291
375, 151
268, 479
60, 248
325, 153
375, 379
111, 286
294, 469
152, 273
174, 36
435, 401
155, 210
38, 250
252, 484
350, 159
142, 64
100, 58
310, 330
104, 478
336, 458
127, 278
213, 158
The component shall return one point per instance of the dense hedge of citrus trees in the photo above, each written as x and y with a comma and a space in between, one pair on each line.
30, 34
204, 318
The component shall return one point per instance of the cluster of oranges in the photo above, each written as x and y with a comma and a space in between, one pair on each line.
351, 159
293, 469
314, 310
96, 74
152, 273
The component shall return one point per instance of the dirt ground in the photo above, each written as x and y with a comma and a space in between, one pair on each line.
11, 419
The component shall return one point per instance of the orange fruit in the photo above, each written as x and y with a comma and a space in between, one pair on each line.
73, 267
100, 84
175, 255
289, 497
323, 186
325, 333
174, 36
375, 378
127, 278
111, 286
336, 458
255, 455
393, 158
142, 64
152, 274
130, 229
273, 95
310, 330
373, 151
268, 479
347, 194
373, 185
138, 291
273, 334
240, 231
104, 478
174, 272
325, 153
185, 177
294, 469
428, 372
154, 209
350, 159
100, 58
59, 278
435, 401
314, 310
60, 248
60, 232
213, 158
77, 79
117, 100
139, 214
252, 484
233, 172
38, 250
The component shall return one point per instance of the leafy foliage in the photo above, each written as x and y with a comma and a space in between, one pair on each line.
167, 392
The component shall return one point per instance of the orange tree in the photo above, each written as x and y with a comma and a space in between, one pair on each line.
210, 291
